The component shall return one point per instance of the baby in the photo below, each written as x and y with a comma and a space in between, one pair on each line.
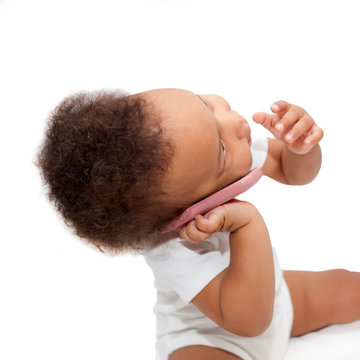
119, 167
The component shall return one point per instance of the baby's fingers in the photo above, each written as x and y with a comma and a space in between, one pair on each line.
270, 120
212, 222
190, 232
263, 119
300, 128
314, 136
306, 141
203, 226
280, 106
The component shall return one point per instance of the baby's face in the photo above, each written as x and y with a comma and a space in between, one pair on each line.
211, 143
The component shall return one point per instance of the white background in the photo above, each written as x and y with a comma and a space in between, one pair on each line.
63, 300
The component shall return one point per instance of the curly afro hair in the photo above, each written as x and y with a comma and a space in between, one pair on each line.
102, 162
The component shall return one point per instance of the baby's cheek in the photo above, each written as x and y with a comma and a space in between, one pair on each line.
243, 160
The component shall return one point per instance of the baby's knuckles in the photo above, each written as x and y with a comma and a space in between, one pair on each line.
186, 232
193, 234
227, 217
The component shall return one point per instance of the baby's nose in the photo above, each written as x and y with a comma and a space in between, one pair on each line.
236, 117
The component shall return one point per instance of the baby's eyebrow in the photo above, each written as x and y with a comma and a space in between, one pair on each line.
209, 105
219, 156
203, 100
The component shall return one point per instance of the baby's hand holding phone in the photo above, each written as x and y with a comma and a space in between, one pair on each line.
227, 217
203, 226
292, 125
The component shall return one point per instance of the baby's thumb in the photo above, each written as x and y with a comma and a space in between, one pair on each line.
267, 121
206, 223
259, 118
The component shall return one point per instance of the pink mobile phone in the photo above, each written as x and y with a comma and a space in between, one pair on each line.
220, 197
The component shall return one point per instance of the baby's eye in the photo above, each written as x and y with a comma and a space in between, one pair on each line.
223, 147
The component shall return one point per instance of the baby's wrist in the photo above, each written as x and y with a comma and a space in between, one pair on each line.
239, 214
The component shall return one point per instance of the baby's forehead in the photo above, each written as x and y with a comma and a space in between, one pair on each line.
173, 104
170, 95
167, 91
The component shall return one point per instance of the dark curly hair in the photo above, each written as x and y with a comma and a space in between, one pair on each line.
102, 162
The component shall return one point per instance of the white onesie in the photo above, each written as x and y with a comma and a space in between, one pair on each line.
182, 269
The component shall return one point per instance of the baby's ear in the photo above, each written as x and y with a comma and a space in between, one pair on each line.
36, 164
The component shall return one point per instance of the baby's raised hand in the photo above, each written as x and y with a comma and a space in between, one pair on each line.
292, 125
228, 217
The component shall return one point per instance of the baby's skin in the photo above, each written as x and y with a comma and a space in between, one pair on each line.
249, 279
212, 143
212, 149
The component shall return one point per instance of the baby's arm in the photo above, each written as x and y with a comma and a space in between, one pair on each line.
294, 155
241, 298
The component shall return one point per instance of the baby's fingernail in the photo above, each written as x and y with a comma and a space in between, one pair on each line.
308, 141
289, 137
275, 107
279, 127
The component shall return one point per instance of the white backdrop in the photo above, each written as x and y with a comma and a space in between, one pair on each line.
61, 299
